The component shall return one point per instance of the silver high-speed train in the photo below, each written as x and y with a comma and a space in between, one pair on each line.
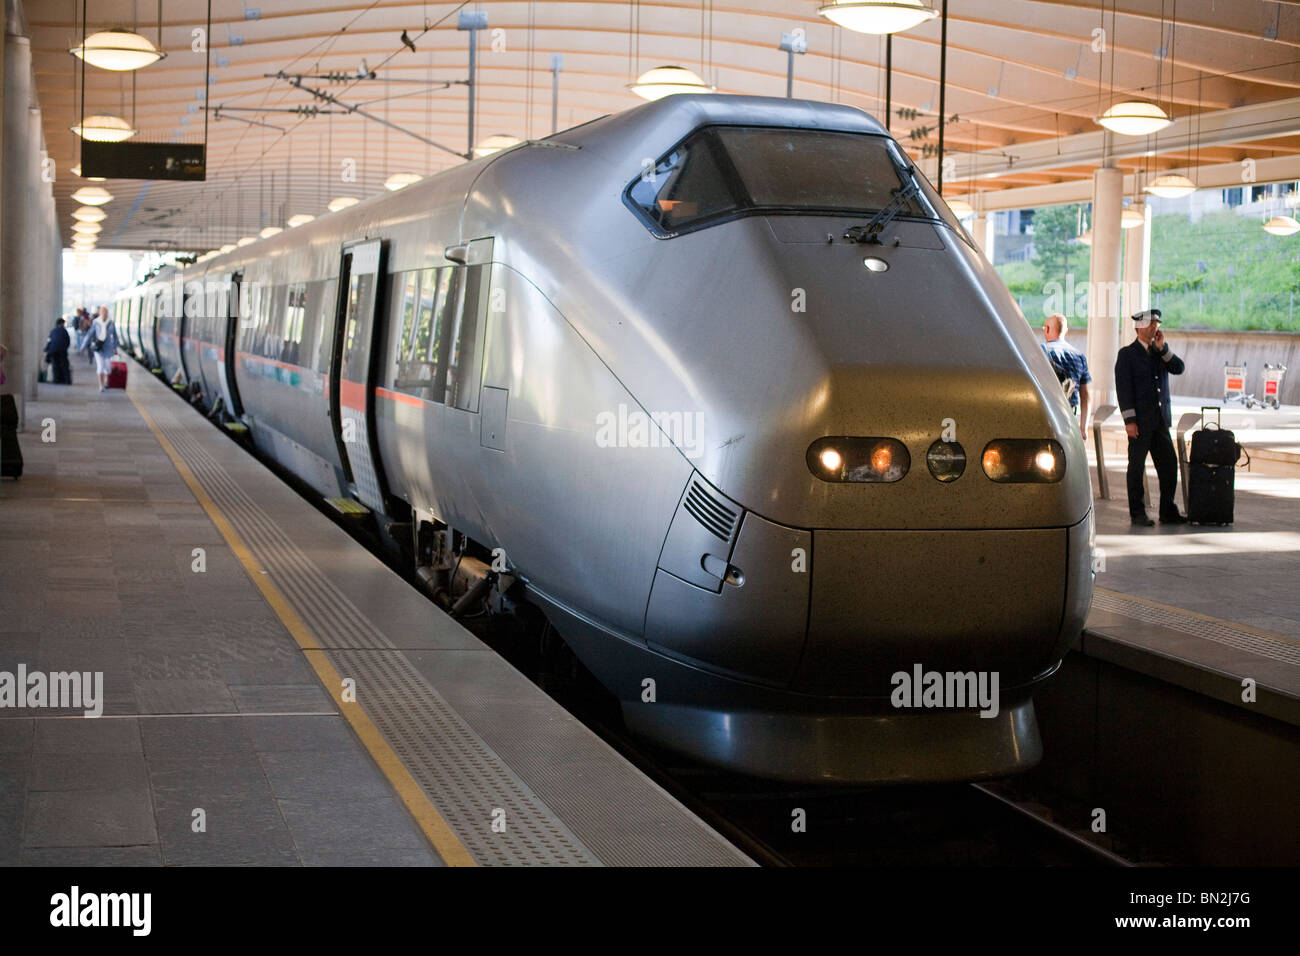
719, 385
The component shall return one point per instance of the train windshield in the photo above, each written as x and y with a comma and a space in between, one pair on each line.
722, 172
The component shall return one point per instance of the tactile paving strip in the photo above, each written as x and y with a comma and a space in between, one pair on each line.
1221, 632
464, 777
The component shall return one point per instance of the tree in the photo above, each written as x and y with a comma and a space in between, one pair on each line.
1055, 242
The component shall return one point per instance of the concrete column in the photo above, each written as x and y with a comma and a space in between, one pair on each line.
981, 231
1104, 300
32, 255
16, 166
1137, 273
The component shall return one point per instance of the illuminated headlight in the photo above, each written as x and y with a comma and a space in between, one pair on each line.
878, 460
946, 460
1024, 460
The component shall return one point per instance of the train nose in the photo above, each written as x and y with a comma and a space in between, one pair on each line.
884, 603
840, 612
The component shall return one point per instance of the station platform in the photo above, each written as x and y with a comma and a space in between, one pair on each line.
271, 693
1220, 600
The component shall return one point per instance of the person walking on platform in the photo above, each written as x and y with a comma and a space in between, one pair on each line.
83, 336
103, 333
1142, 373
1061, 353
56, 353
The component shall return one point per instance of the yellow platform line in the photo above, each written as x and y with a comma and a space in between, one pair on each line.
426, 815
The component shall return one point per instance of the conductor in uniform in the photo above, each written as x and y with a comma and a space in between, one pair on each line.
1142, 373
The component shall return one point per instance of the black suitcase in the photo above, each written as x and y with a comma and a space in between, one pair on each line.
1211, 476
11, 456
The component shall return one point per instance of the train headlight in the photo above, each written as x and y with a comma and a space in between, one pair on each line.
858, 460
1024, 460
946, 460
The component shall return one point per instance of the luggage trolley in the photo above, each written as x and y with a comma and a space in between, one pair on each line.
1234, 385
1273, 385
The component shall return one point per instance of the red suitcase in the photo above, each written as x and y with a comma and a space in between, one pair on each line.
117, 375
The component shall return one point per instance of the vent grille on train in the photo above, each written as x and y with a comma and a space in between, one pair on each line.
709, 511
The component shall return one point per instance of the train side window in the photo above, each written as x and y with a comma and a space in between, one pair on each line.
445, 318
406, 304
465, 368
327, 303
295, 308
360, 296
424, 325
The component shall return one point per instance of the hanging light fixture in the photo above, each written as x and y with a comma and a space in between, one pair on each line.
878, 17
961, 208
86, 228
89, 214
244, 240
1171, 186
495, 144
104, 129
76, 171
118, 50
401, 181
1133, 216
228, 247
1134, 118
92, 196
270, 231
342, 202
1282, 226
301, 219
666, 80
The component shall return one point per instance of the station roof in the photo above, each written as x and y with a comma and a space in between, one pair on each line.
1025, 81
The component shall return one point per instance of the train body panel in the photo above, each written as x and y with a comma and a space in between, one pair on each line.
632, 412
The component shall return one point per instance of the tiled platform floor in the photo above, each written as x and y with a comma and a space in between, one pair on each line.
224, 717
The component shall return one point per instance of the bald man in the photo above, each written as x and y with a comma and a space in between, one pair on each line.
1065, 355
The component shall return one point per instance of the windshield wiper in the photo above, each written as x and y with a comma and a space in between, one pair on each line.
870, 233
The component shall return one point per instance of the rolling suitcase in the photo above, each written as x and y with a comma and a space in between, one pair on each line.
1211, 475
117, 374
11, 456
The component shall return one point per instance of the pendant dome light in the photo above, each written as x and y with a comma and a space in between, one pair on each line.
270, 231
495, 144
1134, 118
878, 17
104, 129
1282, 226
401, 181
342, 202
92, 196
1171, 186
118, 50
86, 228
300, 219
1133, 216
228, 247
666, 80
89, 214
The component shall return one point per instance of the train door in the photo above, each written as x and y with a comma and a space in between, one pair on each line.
185, 329
353, 369
226, 331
